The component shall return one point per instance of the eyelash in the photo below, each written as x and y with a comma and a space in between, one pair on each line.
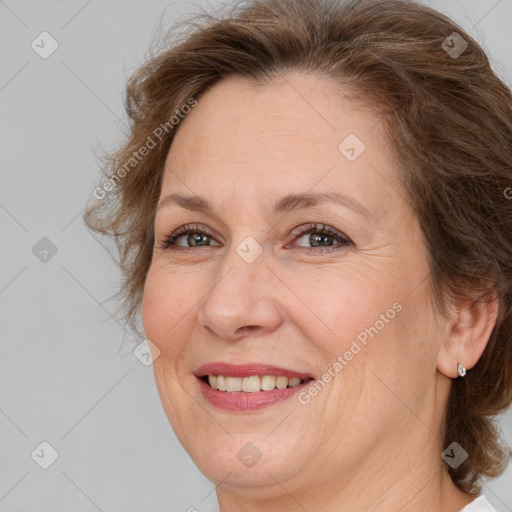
169, 241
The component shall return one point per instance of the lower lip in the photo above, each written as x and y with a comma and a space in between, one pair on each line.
244, 401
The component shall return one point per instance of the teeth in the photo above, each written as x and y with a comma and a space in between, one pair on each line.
233, 384
268, 382
252, 384
221, 383
281, 382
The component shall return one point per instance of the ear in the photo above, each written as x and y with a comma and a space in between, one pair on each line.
469, 330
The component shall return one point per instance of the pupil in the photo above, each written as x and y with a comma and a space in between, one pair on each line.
321, 237
195, 238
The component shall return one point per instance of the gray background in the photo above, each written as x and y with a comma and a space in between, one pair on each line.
66, 377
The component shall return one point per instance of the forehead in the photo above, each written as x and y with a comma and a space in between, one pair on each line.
297, 133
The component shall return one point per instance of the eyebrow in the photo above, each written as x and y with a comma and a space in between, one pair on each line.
285, 204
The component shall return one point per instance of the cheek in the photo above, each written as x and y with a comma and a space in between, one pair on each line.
371, 318
344, 306
167, 307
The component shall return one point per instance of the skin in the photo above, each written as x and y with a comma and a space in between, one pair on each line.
370, 440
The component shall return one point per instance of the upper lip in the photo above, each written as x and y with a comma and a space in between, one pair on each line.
248, 370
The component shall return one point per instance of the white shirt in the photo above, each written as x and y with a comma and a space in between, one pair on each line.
479, 504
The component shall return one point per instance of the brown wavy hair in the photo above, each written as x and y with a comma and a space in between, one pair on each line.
448, 119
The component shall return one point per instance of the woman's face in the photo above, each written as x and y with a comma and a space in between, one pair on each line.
345, 302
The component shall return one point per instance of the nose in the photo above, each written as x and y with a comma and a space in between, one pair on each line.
242, 299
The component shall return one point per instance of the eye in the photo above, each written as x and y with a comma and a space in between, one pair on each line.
190, 237
192, 234
321, 237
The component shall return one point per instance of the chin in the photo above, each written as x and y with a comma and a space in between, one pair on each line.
245, 460
220, 463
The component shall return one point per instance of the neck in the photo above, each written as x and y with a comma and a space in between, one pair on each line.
426, 488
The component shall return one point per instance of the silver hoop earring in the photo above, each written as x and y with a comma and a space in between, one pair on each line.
461, 370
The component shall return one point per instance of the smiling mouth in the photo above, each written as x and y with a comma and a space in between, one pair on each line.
253, 383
